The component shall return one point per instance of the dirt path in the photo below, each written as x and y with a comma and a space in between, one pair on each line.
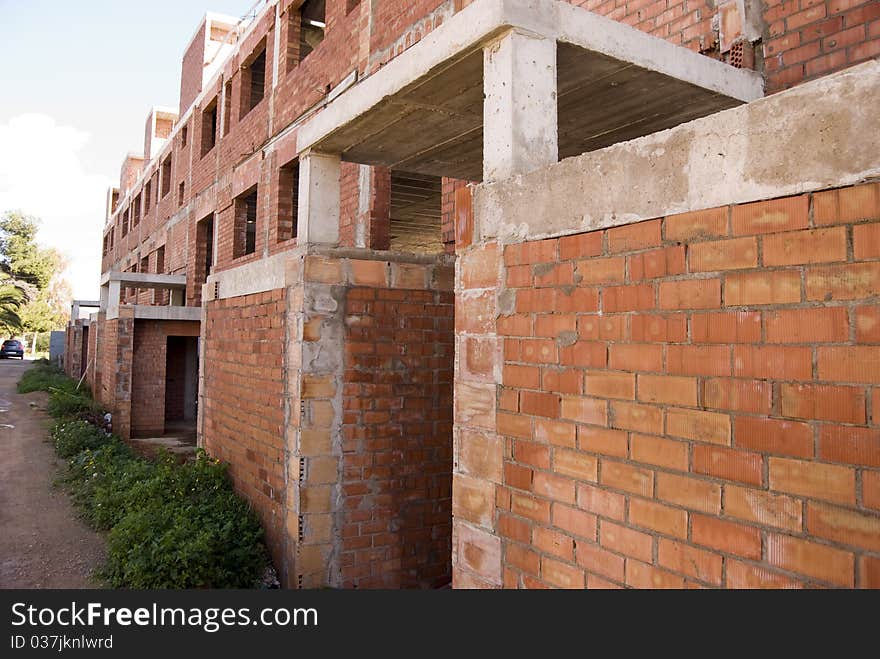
43, 544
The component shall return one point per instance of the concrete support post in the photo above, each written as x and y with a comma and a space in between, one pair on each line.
318, 211
113, 293
520, 132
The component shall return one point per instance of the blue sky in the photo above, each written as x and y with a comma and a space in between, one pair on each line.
77, 84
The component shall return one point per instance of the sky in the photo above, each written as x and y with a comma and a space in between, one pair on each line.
77, 83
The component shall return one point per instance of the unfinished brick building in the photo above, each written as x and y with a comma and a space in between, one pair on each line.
517, 293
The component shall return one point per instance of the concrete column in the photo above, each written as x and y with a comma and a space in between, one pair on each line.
318, 210
113, 292
520, 132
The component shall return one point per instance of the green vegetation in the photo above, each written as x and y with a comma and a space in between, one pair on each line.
169, 525
34, 296
66, 398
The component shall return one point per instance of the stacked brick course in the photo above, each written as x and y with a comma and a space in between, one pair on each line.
244, 409
805, 40
690, 401
397, 431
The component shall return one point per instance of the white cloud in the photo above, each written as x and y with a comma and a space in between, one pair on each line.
41, 173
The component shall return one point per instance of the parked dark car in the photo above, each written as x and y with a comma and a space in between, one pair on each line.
12, 348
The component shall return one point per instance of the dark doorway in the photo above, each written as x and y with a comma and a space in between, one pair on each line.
181, 385
84, 356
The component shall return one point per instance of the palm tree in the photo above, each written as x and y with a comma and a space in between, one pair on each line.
12, 297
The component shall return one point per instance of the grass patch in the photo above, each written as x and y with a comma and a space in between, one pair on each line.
168, 525
43, 376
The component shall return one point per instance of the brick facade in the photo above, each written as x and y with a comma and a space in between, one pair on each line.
397, 438
244, 406
683, 401
806, 40
687, 401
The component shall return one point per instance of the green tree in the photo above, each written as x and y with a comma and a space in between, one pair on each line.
33, 275
11, 299
20, 255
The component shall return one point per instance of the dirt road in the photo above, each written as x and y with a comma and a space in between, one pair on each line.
43, 544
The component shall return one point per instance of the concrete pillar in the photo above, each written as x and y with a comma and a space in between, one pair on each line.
113, 293
520, 132
318, 210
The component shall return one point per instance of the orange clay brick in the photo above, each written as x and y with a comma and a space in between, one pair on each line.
770, 216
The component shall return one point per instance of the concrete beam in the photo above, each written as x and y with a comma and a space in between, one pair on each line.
255, 277
145, 280
318, 210
149, 312
818, 135
76, 305
519, 111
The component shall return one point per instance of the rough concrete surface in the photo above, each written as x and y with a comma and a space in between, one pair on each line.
43, 543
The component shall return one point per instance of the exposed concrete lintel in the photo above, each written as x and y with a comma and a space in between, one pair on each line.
819, 135
254, 277
381, 255
483, 20
144, 280
147, 312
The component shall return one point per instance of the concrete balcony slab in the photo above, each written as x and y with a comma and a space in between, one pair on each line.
424, 111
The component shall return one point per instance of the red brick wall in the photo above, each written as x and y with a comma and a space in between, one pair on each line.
148, 374
397, 438
116, 355
808, 39
94, 376
244, 406
73, 351
398, 25
104, 393
687, 24
693, 400
348, 203
191, 70
447, 216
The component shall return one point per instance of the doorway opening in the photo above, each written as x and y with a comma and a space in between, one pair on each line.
181, 387
84, 355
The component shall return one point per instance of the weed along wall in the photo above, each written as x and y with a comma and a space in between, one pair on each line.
684, 401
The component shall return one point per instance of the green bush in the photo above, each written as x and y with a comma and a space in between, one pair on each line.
100, 481
74, 436
64, 402
43, 376
67, 397
186, 528
170, 525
